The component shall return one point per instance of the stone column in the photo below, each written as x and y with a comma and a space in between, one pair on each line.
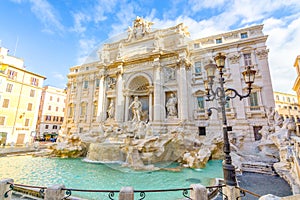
233, 62
126, 106
150, 103
126, 193
5, 187
119, 99
199, 192
101, 103
54, 192
158, 100
263, 67
182, 87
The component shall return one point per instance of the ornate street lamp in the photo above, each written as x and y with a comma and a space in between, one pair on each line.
223, 96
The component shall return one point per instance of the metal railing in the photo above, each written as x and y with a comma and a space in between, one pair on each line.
212, 191
244, 191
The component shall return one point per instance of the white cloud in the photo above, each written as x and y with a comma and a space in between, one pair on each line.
88, 50
283, 43
102, 8
199, 5
80, 19
47, 14
59, 76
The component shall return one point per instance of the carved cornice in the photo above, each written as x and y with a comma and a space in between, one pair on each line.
234, 59
262, 54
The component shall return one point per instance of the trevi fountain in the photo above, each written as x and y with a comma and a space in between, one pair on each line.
132, 130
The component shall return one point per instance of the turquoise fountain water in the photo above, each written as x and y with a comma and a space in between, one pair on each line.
76, 174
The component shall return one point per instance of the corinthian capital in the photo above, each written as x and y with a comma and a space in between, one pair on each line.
184, 62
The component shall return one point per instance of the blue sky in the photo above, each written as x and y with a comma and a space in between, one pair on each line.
54, 35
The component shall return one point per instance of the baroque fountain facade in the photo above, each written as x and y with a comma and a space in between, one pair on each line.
141, 100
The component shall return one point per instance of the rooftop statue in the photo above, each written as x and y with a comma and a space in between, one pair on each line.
139, 29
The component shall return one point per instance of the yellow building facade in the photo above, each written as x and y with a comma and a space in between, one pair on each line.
20, 92
287, 106
296, 86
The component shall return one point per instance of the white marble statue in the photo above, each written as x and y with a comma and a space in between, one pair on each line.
171, 106
111, 110
136, 107
270, 112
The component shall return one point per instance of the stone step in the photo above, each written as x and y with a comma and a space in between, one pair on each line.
257, 167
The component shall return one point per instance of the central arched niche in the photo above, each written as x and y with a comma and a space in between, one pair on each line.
139, 86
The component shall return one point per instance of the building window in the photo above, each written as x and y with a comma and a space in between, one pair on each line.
198, 67
80, 130
51, 98
9, 87
2, 120
56, 109
227, 105
85, 85
32, 93
46, 126
97, 83
49, 107
196, 45
61, 119
87, 68
71, 110
54, 126
12, 74
202, 130
5, 103
244, 35
83, 108
247, 59
288, 99
27, 122
253, 99
57, 118
29, 107
277, 97
48, 118
218, 40
34, 81
200, 101
95, 108
74, 86
57, 99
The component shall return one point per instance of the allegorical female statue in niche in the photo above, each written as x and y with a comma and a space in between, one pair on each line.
111, 110
172, 106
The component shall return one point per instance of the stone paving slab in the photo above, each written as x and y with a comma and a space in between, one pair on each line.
263, 184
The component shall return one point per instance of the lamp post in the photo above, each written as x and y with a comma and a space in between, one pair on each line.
223, 96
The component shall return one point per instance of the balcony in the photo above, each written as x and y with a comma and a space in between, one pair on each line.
200, 114
255, 111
